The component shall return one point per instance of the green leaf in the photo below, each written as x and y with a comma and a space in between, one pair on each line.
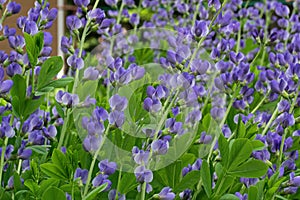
49, 70
40, 149
18, 93
257, 145
223, 184
34, 45
253, 193
188, 181
53, 171
97, 190
206, 178
128, 183
33, 186
59, 83
240, 151
224, 149
32, 105
241, 131
229, 197
250, 169
44, 185
59, 159
53, 193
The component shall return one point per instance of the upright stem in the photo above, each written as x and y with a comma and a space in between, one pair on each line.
84, 35
63, 130
286, 130
274, 115
2, 159
204, 37
221, 125
93, 163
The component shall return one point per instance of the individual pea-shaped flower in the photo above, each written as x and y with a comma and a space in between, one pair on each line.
112, 195
160, 147
134, 19
75, 62
241, 196
91, 143
200, 29
140, 156
13, 7
186, 194
143, 174
13, 69
10, 182
50, 132
8, 31
82, 3
66, 98
73, 23
66, 44
165, 194
5, 85
6, 130
214, 3
24, 153
204, 138
193, 117
116, 118
16, 42
31, 27
118, 103
100, 180
82, 174
111, 3
107, 167
91, 73
152, 105
9, 149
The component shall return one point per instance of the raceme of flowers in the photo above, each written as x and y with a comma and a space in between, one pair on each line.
220, 119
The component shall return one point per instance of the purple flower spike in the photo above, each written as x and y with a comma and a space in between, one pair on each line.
107, 167
143, 175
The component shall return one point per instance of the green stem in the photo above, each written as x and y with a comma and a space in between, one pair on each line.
93, 163
221, 125
204, 37
63, 130
286, 130
274, 115
84, 35
143, 191
2, 158
260, 103
119, 181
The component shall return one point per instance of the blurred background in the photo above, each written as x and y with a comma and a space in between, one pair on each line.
67, 7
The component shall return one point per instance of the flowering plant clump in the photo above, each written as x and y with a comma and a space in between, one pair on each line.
179, 100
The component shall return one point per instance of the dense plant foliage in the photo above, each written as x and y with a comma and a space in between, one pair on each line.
179, 100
